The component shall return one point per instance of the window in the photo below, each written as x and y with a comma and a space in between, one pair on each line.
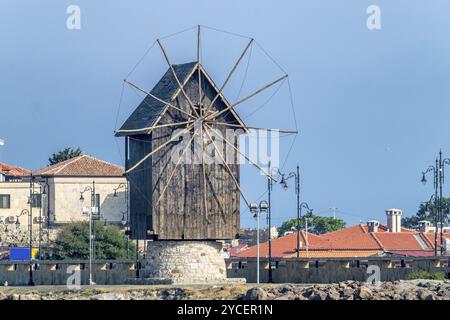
5, 201
36, 200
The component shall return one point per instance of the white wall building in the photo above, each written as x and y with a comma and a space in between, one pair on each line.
57, 191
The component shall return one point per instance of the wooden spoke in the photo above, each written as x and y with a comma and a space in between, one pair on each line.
205, 202
166, 58
158, 99
230, 74
173, 171
159, 148
228, 169
247, 158
218, 113
254, 128
199, 72
155, 127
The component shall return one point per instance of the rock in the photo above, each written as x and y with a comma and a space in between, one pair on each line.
363, 293
348, 292
256, 294
108, 296
425, 294
333, 295
410, 296
318, 295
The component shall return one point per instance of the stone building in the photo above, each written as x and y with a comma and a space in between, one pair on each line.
56, 193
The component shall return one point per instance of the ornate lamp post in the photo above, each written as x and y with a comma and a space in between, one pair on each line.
90, 213
256, 210
30, 240
284, 185
43, 194
126, 218
438, 182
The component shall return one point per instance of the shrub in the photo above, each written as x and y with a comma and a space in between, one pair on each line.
424, 275
73, 242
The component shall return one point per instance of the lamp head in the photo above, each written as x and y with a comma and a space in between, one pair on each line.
424, 179
115, 193
264, 206
283, 182
253, 208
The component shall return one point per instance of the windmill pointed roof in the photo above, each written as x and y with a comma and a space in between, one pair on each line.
150, 109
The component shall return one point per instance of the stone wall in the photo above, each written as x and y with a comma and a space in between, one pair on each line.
185, 261
49, 272
332, 270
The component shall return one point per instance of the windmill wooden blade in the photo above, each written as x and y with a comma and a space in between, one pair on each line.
249, 127
158, 148
218, 113
231, 73
158, 99
154, 127
173, 171
247, 158
166, 58
228, 169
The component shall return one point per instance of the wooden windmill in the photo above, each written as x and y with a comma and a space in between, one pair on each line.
175, 200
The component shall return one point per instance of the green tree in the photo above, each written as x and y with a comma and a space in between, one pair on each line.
73, 242
64, 154
427, 211
316, 224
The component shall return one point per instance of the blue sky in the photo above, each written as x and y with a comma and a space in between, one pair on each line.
372, 106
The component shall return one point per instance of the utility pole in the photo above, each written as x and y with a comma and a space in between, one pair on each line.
269, 222
438, 182
30, 226
334, 209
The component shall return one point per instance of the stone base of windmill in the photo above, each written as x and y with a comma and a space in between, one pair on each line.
185, 262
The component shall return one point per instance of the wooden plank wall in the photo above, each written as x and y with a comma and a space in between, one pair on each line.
180, 214
139, 184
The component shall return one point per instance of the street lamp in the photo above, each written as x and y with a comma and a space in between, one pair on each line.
90, 213
124, 221
30, 242
438, 181
305, 206
256, 210
43, 192
284, 185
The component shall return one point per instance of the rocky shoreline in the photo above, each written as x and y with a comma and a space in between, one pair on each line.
348, 290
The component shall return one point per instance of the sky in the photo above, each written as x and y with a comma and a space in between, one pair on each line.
372, 106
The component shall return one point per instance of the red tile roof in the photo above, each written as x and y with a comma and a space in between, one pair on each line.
13, 171
287, 245
349, 242
84, 166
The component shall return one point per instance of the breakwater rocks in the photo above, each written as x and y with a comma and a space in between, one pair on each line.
352, 290
348, 290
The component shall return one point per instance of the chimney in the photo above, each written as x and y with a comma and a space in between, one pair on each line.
424, 226
394, 220
372, 225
